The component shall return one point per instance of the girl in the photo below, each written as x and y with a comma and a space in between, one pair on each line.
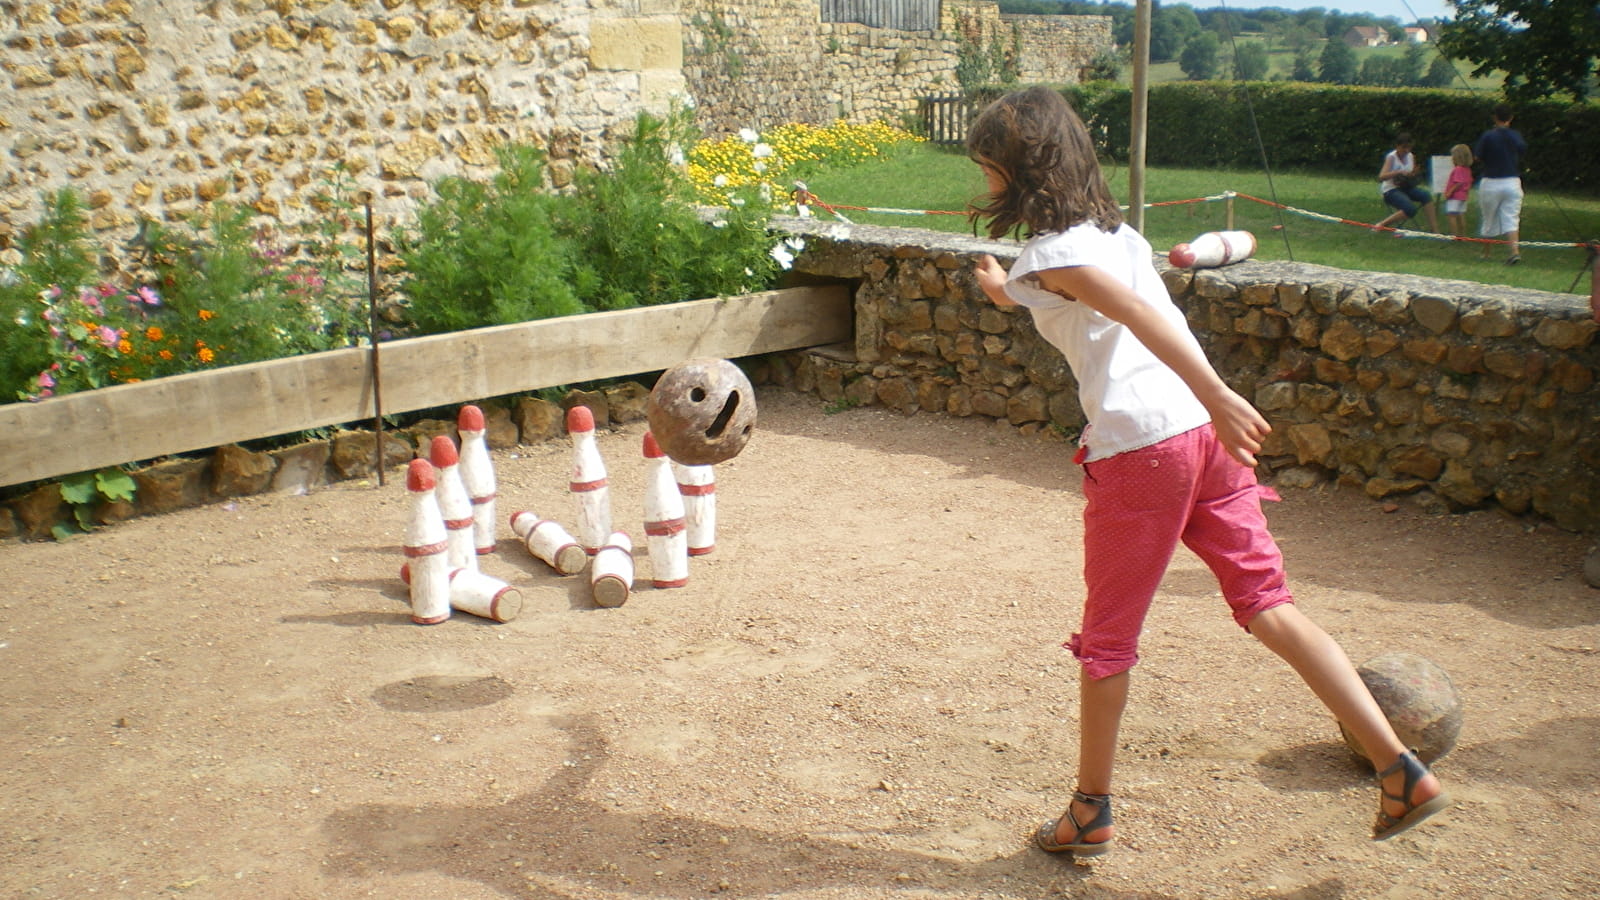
1456, 188
1166, 455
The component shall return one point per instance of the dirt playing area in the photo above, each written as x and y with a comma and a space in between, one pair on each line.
859, 694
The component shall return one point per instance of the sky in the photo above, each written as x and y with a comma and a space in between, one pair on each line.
1405, 10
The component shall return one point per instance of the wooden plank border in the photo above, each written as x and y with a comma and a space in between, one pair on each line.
128, 423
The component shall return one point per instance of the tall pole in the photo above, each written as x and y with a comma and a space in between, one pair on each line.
1141, 96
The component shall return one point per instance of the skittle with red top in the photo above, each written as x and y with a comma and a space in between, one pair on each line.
547, 540
477, 471
454, 504
472, 591
1213, 249
588, 483
611, 576
425, 548
664, 528
698, 486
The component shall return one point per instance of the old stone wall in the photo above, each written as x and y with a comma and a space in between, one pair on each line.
157, 108
1456, 394
152, 109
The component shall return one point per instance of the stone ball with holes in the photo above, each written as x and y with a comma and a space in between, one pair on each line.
702, 411
1419, 700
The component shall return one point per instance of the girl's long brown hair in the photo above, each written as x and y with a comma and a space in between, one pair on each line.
1042, 151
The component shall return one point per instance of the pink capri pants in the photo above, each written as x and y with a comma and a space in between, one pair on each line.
1140, 504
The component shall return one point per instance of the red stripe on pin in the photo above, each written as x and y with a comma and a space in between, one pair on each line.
426, 549
483, 499
457, 524
696, 490
664, 528
582, 486
701, 551
680, 582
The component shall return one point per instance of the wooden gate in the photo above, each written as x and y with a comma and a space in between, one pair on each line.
945, 119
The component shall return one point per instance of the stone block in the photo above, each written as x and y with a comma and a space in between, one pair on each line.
636, 44
237, 472
173, 485
538, 420
301, 467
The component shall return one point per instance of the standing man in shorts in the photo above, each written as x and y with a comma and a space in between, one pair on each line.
1500, 151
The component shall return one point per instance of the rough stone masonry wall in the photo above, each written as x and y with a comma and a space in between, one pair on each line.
154, 108
758, 63
1464, 395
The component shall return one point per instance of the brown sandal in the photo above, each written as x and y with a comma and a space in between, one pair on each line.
1388, 826
1045, 837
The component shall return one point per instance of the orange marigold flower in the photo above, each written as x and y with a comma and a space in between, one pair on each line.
165, 354
206, 355
206, 315
154, 333
124, 346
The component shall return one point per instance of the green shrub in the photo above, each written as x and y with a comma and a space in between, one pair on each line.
511, 251
490, 253
642, 239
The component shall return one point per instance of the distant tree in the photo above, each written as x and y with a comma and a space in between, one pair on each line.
1382, 71
1302, 70
1545, 47
1199, 60
1170, 30
1250, 61
1411, 64
1106, 66
1440, 73
1338, 64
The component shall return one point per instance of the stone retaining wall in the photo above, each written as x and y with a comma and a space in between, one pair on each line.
1460, 394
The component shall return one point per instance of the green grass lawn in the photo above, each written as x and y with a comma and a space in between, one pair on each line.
930, 178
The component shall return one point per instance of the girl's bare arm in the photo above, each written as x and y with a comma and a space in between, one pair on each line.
1239, 426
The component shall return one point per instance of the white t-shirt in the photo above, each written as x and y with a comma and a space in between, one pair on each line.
1132, 399
1397, 163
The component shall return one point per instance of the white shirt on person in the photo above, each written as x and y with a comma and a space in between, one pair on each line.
1131, 398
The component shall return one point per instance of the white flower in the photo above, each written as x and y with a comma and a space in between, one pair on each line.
766, 192
675, 155
748, 135
781, 253
759, 166
719, 222
761, 151
736, 201
720, 181
795, 243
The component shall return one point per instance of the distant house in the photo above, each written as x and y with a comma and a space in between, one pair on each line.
1416, 34
1366, 36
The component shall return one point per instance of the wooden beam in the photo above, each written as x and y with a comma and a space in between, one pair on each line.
133, 422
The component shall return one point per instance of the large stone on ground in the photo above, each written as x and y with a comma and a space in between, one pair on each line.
1419, 700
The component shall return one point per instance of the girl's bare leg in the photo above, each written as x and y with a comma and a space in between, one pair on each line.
1101, 702
1328, 672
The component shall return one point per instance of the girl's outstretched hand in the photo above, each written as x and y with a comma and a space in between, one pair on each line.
992, 279
1240, 428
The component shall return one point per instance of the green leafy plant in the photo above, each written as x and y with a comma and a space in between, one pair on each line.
491, 253
643, 240
86, 491
55, 251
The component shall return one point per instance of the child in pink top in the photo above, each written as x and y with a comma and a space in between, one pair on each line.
1456, 189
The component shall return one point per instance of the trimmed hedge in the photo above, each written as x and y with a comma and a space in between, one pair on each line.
1332, 128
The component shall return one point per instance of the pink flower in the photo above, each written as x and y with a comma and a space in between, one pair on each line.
107, 335
149, 296
106, 290
46, 381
